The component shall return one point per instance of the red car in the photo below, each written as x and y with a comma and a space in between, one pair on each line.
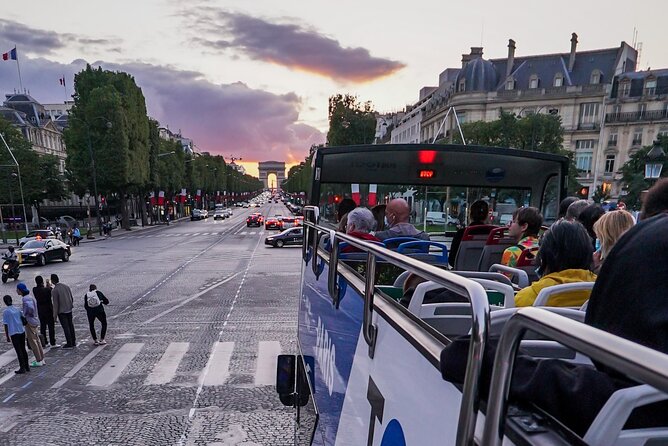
272, 223
254, 220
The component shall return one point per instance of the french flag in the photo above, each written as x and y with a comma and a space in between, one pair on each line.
161, 198
9, 55
152, 198
355, 189
372, 194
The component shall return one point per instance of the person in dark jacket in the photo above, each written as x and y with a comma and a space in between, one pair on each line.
478, 214
45, 310
93, 301
629, 301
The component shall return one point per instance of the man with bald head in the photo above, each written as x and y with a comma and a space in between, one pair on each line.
397, 215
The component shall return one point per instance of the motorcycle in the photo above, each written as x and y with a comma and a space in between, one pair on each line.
9, 272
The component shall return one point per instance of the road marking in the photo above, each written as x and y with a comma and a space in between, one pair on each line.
7, 357
9, 398
267, 359
218, 365
165, 370
78, 367
112, 370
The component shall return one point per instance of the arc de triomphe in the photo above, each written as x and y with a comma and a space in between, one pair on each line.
269, 167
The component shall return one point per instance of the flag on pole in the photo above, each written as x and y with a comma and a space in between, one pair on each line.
372, 194
9, 55
62, 81
183, 195
356, 193
161, 198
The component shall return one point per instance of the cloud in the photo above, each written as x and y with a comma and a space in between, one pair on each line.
224, 119
289, 45
43, 42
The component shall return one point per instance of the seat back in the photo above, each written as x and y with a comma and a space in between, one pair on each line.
515, 275
421, 250
497, 242
546, 293
394, 242
528, 262
471, 246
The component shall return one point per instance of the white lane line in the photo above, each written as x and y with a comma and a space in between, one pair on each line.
7, 357
8, 398
217, 369
7, 377
165, 370
267, 359
78, 367
195, 296
110, 372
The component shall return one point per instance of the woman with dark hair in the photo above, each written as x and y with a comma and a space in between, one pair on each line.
563, 206
588, 217
478, 213
565, 256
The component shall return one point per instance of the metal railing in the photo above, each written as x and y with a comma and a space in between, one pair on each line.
636, 361
637, 116
473, 290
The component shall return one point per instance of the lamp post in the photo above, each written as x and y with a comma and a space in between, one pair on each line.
18, 170
654, 162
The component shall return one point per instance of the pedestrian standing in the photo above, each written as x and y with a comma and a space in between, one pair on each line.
93, 301
63, 303
45, 310
29, 305
15, 333
76, 236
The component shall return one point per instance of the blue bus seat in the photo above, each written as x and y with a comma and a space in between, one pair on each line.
471, 246
497, 242
421, 250
394, 242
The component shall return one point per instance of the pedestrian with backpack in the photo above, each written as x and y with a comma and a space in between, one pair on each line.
93, 301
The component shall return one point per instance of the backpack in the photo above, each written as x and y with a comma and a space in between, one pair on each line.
92, 299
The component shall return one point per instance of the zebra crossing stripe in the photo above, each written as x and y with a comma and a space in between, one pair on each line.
217, 369
7, 357
267, 359
77, 367
112, 370
165, 370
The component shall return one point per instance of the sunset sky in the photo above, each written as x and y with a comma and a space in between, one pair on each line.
251, 79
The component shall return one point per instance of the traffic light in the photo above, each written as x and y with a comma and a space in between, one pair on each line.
337, 198
583, 192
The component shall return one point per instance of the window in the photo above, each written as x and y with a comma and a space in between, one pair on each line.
609, 163
612, 140
617, 109
584, 150
642, 108
589, 113
510, 84
637, 137
533, 82
625, 89
559, 80
663, 132
584, 144
462, 85
595, 77
650, 87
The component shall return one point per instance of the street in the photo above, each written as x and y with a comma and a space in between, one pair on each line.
198, 312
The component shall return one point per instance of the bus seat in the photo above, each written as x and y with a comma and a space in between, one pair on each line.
471, 246
499, 318
492, 252
527, 261
518, 276
421, 250
607, 427
546, 293
498, 277
584, 305
394, 242
401, 278
503, 288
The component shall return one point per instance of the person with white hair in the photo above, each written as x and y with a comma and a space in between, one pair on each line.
359, 225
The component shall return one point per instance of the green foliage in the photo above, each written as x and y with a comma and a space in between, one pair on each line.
633, 175
350, 122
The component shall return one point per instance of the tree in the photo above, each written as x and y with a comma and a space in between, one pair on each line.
633, 174
350, 122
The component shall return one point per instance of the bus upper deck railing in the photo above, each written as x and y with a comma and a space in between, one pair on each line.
636, 361
473, 290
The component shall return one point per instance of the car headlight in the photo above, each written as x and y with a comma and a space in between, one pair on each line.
34, 254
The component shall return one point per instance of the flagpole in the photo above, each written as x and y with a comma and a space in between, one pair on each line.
18, 68
65, 88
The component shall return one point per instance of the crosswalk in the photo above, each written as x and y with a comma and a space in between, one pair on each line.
186, 234
109, 370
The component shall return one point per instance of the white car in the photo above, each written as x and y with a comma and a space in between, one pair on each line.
32, 235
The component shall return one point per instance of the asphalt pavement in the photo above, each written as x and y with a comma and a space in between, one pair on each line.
198, 313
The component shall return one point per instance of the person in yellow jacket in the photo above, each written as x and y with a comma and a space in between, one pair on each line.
565, 256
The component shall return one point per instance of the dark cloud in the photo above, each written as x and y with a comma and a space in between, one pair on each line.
290, 45
231, 118
43, 42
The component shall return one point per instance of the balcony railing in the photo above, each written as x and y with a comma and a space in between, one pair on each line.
638, 116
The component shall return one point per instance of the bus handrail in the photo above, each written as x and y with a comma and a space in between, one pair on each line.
638, 362
473, 290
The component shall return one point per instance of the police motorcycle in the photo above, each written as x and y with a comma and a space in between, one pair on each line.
10, 267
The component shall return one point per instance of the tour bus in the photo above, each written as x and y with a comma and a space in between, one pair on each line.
370, 371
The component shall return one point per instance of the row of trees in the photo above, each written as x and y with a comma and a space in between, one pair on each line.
109, 124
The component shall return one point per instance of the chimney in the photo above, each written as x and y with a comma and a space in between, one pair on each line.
476, 51
511, 57
574, 45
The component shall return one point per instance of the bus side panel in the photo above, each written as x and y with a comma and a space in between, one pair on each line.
398, 397
330, 337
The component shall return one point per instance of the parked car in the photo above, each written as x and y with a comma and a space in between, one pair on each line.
292, 236
440, 218
41, 252
199, 214
32, 235
66, 220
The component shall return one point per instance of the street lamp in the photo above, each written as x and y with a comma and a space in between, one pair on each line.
654, 162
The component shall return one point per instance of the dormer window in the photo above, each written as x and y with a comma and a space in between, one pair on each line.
596, 77
625, 89
533, 81
559, 80
650, 87
510, 84
462, 85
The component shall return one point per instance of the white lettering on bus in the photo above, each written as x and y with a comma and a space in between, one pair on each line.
326, 355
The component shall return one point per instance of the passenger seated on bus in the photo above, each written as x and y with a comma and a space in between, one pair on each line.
359, 222
346, 205
588, 217
656, 200
431, 297
397, 214
563, 206
628, 300
608, 229
524, 227
478, 214
574, 210
379, 214
565, 256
